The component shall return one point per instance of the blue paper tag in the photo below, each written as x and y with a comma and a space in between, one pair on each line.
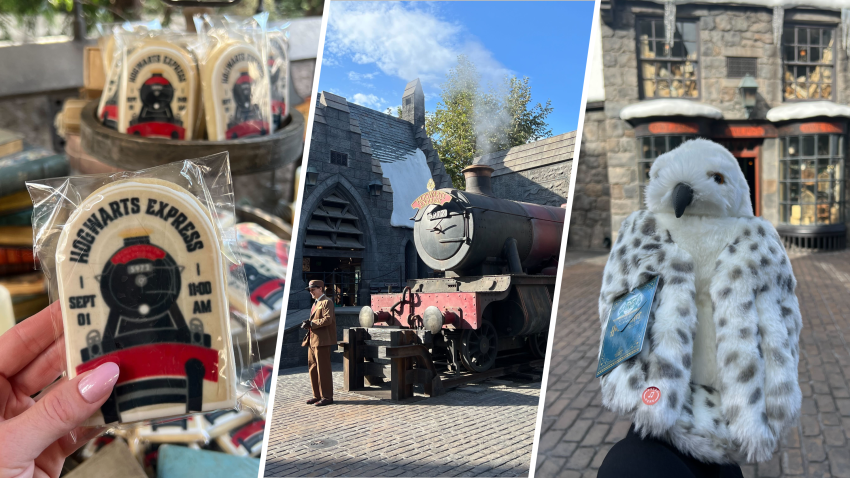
626, 327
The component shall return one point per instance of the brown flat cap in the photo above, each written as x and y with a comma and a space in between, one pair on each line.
316, 283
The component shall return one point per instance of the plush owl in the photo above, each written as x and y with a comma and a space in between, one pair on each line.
722, 338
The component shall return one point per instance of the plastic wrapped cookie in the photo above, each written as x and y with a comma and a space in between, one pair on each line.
141, 283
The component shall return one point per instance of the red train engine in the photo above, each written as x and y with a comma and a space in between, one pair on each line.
499, 259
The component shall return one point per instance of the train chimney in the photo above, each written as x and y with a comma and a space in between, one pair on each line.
477, 179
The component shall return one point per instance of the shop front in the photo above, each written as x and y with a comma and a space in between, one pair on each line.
793, 167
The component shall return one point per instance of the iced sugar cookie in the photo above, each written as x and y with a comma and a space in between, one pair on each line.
220, 422
141, 283
107, 108
236, 92
246, 440
158, 92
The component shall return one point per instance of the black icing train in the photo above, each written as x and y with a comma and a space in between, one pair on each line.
163, 359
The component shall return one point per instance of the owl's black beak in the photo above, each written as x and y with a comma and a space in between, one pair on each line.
682, 197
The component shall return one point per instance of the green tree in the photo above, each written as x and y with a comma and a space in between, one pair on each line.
470, 121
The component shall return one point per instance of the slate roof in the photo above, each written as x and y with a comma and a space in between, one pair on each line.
390, 138
532, 155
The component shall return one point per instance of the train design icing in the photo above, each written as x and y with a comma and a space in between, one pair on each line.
141, 284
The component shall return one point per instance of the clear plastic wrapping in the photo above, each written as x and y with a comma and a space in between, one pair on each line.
279, 72
139, 262
112, 42
232, 55
159, 88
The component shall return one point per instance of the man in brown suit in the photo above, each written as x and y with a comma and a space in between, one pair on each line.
321, 336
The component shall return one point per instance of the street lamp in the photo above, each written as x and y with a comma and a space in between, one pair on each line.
748, 88
312, 176
375, 187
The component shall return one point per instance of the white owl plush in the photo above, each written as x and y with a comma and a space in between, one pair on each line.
722, 339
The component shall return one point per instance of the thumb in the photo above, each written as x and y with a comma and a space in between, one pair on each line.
59, 412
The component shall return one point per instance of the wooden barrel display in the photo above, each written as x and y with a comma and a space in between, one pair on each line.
247, 156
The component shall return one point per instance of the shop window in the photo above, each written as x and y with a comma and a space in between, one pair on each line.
651, 148
811, 179
668, 71
808, 62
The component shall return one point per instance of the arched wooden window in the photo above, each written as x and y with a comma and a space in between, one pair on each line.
334, 225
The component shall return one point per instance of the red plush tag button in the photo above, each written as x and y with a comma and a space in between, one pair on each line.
651, 395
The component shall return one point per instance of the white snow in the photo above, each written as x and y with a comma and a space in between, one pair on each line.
845, 28
807, 109
409, 180
596, 82
778, 25
669, 20
825, 4
669, 107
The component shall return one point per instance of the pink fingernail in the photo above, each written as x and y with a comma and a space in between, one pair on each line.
99, 382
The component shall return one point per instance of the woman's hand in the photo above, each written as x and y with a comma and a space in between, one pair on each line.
37, 435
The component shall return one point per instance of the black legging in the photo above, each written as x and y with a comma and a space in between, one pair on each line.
634, 457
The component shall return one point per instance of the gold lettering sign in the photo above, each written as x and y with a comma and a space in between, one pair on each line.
431, 197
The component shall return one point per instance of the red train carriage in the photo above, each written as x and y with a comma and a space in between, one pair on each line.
499, 259
162, 359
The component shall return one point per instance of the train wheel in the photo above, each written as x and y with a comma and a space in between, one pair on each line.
537, 344
478, 348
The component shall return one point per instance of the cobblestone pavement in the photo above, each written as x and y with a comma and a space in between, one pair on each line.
481, 430
577, 432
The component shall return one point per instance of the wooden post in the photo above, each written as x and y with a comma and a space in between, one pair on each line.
401, 387
360, 336
352, 371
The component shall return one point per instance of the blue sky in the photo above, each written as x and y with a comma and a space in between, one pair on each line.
373, 49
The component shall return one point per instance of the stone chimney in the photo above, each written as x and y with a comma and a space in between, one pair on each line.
413, 104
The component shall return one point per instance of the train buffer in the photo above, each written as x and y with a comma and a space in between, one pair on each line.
388, 362
376, 355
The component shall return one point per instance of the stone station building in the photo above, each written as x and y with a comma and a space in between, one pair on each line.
769, 83
364, 170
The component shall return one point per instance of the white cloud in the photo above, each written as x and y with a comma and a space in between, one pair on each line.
404, 40
369, 101
354, 76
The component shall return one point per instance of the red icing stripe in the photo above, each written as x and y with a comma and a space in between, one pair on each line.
267, 288
156, 360
262, 375
157, 80
248, 430
138, 251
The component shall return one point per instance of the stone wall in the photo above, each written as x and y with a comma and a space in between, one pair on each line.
383, 262
724, 31
548, 185
590, 221
32, 116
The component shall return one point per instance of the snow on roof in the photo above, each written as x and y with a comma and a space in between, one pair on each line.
409, 177
669, 107
826, 4
807, 109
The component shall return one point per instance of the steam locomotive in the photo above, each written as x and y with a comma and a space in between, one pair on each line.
156, 119
163, 359
499, 259
247, 118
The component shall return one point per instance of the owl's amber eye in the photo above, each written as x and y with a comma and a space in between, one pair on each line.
717, 177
